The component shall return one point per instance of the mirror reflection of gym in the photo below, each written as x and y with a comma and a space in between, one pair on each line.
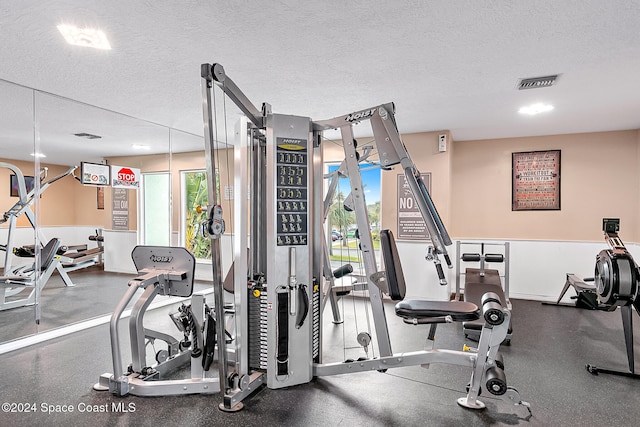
69, 133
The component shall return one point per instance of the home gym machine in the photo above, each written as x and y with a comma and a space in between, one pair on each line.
616, 283
162, 271
479, 281
277, 289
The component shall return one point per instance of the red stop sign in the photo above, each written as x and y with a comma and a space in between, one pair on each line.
127, 175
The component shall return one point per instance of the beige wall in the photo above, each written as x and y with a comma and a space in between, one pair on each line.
331, 152
471, 186
599, 178
423, 150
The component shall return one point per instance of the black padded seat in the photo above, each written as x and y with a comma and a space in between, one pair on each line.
459, 311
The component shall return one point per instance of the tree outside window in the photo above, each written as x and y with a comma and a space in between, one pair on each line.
196, 192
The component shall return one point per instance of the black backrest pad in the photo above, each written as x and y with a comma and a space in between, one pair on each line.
395, 276
48, 252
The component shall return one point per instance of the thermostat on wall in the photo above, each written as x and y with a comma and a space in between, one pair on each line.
442, 143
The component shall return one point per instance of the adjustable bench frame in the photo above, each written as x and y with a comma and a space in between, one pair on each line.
482, 258
478, 281
485, 362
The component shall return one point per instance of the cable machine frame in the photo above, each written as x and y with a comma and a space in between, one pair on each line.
259, 146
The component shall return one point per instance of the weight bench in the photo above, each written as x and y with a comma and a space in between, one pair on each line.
81, 259
79, 256
24, 277
479, 281
475, 287
487, 363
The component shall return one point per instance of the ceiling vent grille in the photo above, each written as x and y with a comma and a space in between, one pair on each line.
537, 82
87, 135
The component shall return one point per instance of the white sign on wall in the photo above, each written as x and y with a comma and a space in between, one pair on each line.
94, 174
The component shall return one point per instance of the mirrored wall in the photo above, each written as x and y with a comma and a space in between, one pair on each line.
17, 148
54, 143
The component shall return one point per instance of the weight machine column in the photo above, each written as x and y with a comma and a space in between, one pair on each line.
216, 251
240, 263
366, 242
289, 195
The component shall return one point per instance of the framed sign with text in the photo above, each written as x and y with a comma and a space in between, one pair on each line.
120, 209
411, 225
535, 180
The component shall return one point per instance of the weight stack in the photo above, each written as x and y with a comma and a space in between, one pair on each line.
257, 326
315, 313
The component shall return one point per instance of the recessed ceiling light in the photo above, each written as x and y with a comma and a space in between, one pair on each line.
38, 155
88, 37
141, 147
534, 109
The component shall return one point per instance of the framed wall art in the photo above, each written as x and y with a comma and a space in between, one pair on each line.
535, 180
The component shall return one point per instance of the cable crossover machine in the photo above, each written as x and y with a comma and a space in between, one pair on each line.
279, 283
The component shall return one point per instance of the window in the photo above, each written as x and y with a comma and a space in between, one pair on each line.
195, 196
342, 223
156, 209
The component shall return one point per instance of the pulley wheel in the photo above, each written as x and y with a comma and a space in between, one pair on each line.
364, 339
162, 356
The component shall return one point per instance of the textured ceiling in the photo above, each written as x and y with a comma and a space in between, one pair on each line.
449, 64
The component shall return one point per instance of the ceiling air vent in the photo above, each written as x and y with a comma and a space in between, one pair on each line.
537, 82
87, 135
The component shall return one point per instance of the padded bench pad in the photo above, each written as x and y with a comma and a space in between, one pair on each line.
459, 311
476, 286
473, 278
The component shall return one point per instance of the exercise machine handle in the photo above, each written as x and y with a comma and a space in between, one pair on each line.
293, 282
441, 276
342, 271
447, 259
432, 255
304, 304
